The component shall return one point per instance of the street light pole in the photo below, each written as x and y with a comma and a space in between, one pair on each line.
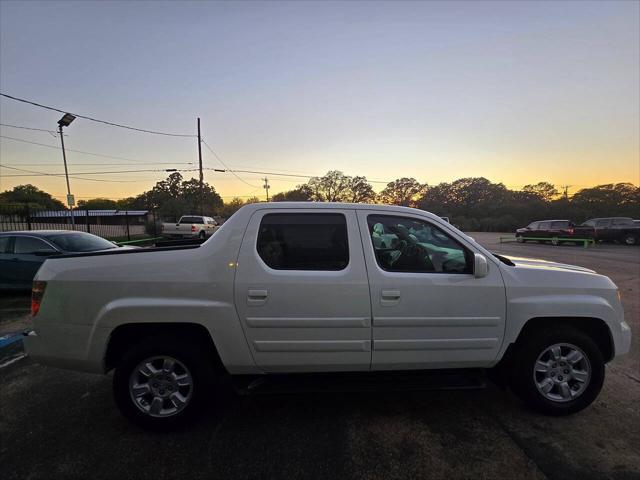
65, 122
266, 186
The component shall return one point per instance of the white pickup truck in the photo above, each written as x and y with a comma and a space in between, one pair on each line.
190, 226
318, 287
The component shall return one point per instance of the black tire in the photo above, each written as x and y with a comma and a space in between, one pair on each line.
630, 239
519, 239
528, 350
197, 361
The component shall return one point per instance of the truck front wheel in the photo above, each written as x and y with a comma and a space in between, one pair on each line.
557, 371
163, 383
630, 239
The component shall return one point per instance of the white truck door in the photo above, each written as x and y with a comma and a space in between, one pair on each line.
302, 293
429, 311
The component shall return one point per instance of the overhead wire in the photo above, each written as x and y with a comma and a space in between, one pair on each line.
95, 165
53, 132
37, 173
73, 150
226, 167
86, 117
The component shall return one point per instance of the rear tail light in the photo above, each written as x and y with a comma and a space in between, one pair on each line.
571, 231
37, 292
193, 228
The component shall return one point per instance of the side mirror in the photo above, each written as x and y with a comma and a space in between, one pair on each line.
480, 265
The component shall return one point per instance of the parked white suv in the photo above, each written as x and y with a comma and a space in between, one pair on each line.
318, 287
190, 226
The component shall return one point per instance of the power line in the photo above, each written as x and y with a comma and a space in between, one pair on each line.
95, 119
225, 170
53, 132
107, 172
260, 172
76, 151
37, 174
226, 167
94, 165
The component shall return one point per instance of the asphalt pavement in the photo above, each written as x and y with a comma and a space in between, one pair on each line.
63, 424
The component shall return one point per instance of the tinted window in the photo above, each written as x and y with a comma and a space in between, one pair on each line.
533, 226
622, 221
196, 220
589, 223
4, 244
562, 224
80, 242
544, 226
403, 244
296, 241
30, 245
602, 223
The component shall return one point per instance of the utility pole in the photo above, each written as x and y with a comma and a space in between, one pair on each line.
65, 121
201, 176
565, 188
266, 186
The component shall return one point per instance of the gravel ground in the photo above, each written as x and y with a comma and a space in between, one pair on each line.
60, 424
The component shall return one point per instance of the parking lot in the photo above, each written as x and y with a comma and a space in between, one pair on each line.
62, 424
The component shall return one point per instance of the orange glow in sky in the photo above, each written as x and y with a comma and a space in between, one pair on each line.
518, 92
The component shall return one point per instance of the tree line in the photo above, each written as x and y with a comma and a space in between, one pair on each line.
473, 204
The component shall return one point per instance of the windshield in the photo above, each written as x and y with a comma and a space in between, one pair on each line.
80, 242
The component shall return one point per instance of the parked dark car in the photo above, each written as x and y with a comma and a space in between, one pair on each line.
553, 230
615, 229
22, 253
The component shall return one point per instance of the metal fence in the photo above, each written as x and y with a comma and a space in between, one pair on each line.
110, 224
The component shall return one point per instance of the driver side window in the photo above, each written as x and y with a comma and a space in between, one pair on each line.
403, 244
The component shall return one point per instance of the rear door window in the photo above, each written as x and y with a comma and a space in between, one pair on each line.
296, 241
4, 244
544, 226
30, 245
622, 221
602, 223
560, 224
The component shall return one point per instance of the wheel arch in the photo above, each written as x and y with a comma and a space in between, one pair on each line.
125, 336
596, 328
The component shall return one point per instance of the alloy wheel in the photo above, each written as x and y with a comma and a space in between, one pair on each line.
562, 372
161, 386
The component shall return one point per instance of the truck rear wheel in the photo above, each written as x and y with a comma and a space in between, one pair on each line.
163, 383
630, 239
557, 371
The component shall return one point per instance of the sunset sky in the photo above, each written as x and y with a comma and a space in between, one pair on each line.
516, 92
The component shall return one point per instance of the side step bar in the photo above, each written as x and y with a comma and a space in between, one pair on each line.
360, 382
